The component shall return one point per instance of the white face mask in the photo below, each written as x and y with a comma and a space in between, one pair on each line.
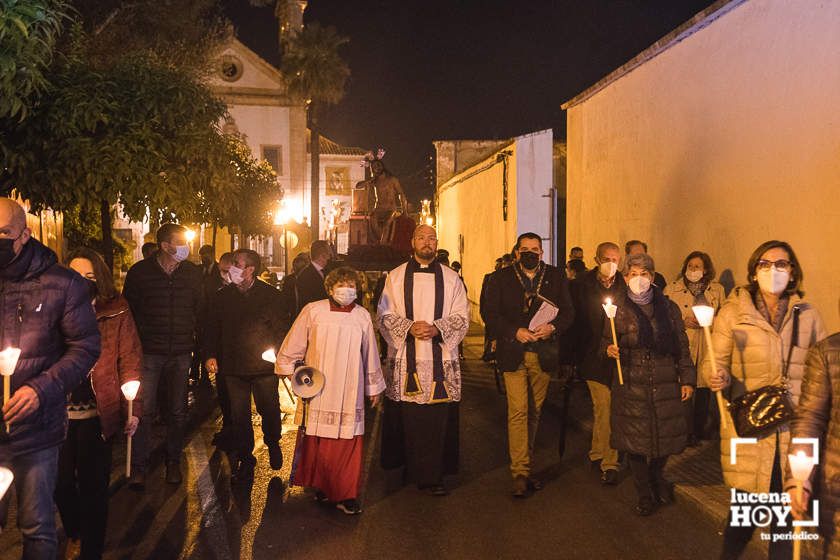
344, 296
235, 274
182, 252
693, 275
639, 285
607, 269
773, 281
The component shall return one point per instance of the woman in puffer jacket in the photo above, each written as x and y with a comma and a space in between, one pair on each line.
818, 416
97, 413
696, 285
647, 418
756, 346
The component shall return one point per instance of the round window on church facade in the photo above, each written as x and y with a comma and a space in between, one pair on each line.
231, 68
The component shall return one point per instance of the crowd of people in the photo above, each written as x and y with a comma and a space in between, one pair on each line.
649, 375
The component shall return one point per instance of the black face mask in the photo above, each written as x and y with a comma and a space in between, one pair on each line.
529, 260
92, 288
7, 250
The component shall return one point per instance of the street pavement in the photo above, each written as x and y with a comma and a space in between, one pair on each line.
572, 517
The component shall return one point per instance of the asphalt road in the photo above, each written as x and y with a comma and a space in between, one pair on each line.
572, 517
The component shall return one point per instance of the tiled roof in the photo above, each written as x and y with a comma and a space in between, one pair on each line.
330, 147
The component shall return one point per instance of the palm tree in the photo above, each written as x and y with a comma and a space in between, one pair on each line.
315, 74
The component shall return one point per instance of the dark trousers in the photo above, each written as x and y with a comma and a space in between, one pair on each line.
264, 388
174, 372
736, 539
34, 483
81, 493
647, 474
224, 399
700, 415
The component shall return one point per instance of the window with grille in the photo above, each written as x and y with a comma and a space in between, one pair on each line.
274, 156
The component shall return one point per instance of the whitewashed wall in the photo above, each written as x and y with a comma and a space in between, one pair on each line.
727, 139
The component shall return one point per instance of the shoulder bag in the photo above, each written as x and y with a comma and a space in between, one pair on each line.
761, 412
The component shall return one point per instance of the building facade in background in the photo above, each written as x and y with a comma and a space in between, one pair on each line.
489, 192
722, 135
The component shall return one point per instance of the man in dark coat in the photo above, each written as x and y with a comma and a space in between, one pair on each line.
166, 297
289, 291
247, 318
634, 247
514, 297
591, 291
46, 312
310, 281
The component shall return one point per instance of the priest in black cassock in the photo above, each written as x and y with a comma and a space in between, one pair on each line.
423, 316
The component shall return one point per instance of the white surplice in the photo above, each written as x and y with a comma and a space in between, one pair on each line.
342, 345
394, 327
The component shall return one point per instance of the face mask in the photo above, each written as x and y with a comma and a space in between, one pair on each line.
182, 252
235, 274
639, 285
91, 287
607, 269
693, 275
7, 250
344, 296
529, 260
773, 281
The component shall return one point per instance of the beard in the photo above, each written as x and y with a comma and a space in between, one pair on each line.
425, 252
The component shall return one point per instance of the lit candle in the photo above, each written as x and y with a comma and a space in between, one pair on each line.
129, 391
6, 478
800, 468
270, 355
611, 310
8, 363
705, 315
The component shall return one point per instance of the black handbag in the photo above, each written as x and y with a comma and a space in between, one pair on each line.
761, 412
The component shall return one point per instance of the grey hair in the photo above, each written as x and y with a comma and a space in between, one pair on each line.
642, 260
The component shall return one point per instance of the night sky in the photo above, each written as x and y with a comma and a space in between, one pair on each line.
479, 69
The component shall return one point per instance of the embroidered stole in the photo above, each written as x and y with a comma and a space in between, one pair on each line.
412, 382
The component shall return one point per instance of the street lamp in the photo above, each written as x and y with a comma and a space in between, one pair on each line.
281, 218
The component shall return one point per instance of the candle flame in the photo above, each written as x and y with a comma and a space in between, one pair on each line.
609, 301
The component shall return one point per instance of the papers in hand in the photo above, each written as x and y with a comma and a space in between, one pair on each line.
545, 314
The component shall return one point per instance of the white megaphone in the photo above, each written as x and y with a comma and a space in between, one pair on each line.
307, 382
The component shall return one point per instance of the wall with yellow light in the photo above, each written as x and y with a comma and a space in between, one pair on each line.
479, 219
726, 139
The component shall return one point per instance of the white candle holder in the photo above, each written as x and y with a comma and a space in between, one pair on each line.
6, 478
705, 317
801, 466
8, 362
610, 309
129, 390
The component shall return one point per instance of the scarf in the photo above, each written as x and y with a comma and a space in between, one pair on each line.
663, 339
781, 310
412, 383
641, 299
696, 288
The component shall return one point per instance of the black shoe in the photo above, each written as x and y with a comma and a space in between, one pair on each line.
609, 477
275, 457
350, 507
173, 473
320, 497
137, 481
663, 492
435, 490
645, 507
595, 465
534, 485
520, 487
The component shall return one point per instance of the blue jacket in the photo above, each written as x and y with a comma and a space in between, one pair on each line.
46, 311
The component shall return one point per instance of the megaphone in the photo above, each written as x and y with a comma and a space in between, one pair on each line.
307, 382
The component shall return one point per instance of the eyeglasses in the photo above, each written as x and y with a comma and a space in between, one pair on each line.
781, 265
